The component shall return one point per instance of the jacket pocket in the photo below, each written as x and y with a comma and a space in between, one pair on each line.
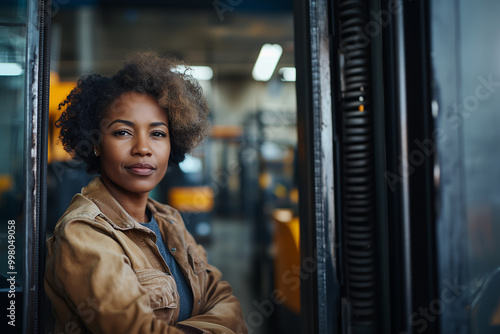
162, 291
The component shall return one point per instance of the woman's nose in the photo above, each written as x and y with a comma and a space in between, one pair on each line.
141, 146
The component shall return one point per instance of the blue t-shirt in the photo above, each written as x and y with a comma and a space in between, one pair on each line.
185, 293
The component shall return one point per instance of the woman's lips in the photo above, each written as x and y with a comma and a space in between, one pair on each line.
141, 169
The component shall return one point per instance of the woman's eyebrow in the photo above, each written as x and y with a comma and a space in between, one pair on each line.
121, 121
158, 124
132, 123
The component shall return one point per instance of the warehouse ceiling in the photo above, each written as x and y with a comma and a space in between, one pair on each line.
215, 33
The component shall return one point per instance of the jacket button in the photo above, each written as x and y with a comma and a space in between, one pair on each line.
173, 249
199, 301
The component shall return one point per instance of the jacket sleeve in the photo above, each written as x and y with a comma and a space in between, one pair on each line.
221, 311
91, 284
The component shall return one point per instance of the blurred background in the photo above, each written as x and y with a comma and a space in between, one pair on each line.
412, 151
236, 190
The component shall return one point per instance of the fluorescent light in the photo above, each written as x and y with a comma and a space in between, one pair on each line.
287, 73
191, 165
198, 72
10, 69
266, 62
202, 72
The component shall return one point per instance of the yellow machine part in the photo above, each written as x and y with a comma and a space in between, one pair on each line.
191, 199
286, 248
6, 183
59, 90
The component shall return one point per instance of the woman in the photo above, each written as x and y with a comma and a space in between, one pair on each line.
119, 262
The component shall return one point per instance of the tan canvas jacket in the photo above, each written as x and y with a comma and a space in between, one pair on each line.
105, 274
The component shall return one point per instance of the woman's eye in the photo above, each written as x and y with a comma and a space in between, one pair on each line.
121, 133
159, 134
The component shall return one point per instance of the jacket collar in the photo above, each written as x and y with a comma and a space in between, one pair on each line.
108, 205
114, 213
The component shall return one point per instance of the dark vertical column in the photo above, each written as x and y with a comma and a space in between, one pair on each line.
42, 149
410, 169
30, 167
397, 179
315, 165
35, 169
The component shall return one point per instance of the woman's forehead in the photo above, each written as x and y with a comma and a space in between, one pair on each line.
134, 108
136, 105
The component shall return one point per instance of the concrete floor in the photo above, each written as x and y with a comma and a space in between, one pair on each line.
231, 251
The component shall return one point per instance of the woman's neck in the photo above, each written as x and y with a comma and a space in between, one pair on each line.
133, 203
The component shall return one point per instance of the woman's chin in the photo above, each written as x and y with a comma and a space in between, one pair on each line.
141, 187
134, 186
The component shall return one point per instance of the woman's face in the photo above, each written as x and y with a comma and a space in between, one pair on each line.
135, 144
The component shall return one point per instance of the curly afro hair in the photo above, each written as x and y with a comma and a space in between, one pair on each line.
178, 93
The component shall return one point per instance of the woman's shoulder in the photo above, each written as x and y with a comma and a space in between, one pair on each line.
83, 210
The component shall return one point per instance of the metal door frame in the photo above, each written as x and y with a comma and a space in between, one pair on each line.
35, 168
315, 163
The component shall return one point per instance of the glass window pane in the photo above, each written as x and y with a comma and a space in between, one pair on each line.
12, 11
480, 98
12, 181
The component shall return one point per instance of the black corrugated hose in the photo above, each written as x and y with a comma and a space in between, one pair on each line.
357, 175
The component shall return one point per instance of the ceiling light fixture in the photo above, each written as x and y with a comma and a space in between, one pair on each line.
287, 73
10, 69
198, 72
266, 62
